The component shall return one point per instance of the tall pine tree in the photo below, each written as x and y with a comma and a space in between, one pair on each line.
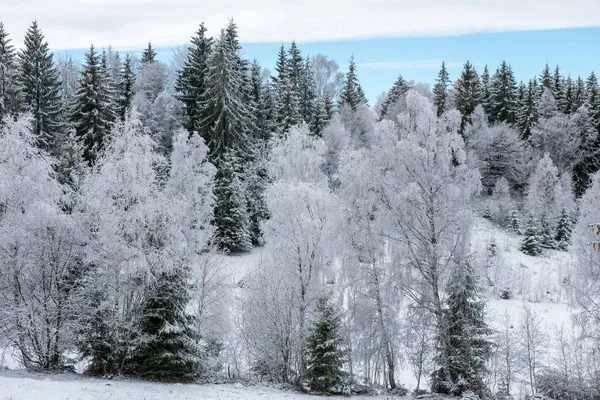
503, 92
38, 79
467, 94
288, 107
352, 93
191, 79
440, 91
400, 88
148, 55
92, 112
9, 92
125, 88
528, 113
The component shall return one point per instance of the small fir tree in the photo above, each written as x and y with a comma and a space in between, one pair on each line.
148, 55
530, 244
125, 87
169, 347
465, 337
352, 93
400, 88
563, 231
325, 351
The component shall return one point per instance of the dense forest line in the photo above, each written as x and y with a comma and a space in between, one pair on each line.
125, 181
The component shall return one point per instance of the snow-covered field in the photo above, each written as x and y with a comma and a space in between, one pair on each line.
24, 386
536, 282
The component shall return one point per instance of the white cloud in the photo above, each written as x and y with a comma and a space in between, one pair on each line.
130, 23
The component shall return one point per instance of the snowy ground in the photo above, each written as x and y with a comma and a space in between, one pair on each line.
537, 283
24, 386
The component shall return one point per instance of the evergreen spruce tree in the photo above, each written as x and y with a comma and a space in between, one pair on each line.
440, 90
558, 89
148, 55
322, 116
486, 91
514, 221
503, 96
325, 352
93, 110
352, 93
503, 392
569, 106
465, 340
231, 218
546, 81
399, 88
528, 114
593, 99
169, 347
531, 238
261, 96
295, 66
38, 79
546, 234
468, 94
563, 231
308, 97
224, 116
589, 150
125, 88
9, 91
579, 95
288, 103
191, 79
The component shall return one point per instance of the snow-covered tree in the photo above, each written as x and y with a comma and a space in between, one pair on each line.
129, 241
93, 110
38, 80
465, 337
499, 150
528, 112
191, 78
125, 87
399, 89
224, 116
586, 248
440, 91
9, 91
467, 93
148, 55
39, 253
328, 78
352, 93
325, 349
503, 96
287, 98
531, 242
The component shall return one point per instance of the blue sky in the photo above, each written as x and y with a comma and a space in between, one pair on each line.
577, 51
387, 37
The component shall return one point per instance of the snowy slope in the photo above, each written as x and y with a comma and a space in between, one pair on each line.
536, 283
24, 386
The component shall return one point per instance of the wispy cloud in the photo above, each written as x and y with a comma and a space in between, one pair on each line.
131, 23
412, 64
